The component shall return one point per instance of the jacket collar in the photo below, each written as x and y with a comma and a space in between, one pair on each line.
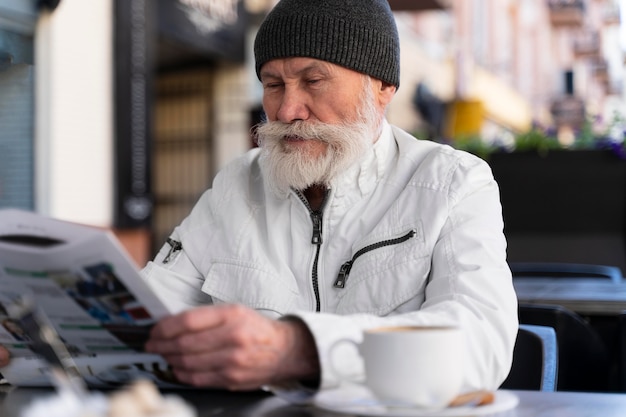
365, 175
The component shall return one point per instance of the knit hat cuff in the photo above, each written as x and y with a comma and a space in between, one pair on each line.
348, 44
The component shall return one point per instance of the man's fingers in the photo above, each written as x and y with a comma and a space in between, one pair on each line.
219, 380
194, 320
257, 359
201, 329
216, 370
231, 346
188, 343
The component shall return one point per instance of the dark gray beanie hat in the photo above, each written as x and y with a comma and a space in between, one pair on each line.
357, 34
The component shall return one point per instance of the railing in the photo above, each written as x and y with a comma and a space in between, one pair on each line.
565, 4
568, 111
587, 45
566, 12
600, 68
612, 15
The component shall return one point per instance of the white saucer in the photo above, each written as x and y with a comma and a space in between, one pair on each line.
356, 399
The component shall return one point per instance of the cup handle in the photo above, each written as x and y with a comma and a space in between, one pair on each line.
336, 370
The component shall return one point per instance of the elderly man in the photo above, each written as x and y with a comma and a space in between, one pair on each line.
337, 223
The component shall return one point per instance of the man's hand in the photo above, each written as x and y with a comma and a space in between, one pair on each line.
4, 356
234, 347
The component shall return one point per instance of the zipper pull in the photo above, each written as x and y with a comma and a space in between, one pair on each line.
175, 246
316, 217
342, 276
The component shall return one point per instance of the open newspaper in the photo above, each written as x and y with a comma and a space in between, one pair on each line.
91, 292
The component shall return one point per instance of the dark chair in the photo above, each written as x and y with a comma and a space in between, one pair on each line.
564, 270
584, 363
612, 330
621, 354
535, 360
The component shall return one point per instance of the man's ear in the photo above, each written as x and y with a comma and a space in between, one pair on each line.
386, 93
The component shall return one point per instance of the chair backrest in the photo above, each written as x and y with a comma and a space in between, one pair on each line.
621, 351
535, 360
584, 363
565, 270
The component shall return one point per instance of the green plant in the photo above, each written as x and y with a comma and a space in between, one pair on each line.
474, 144
536, 140
611, 137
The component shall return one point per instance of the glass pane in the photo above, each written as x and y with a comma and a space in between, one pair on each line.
16, 120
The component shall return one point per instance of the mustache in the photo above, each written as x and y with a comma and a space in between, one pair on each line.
300, 129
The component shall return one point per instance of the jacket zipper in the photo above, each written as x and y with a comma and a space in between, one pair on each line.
316, 239
175, 246
344, 271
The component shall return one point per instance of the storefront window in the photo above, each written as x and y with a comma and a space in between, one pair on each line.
17, 21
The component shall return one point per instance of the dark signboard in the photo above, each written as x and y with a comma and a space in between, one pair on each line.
216, 28
134, 56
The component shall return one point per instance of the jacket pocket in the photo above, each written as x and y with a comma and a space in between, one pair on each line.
232, 281
387, 279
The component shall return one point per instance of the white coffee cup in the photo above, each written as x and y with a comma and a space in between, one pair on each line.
414, 366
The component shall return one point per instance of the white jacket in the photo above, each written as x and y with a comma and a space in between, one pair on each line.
242, 244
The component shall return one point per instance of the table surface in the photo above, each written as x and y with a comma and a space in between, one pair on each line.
259, 404
583, 295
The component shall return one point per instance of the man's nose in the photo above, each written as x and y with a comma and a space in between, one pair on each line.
293, 107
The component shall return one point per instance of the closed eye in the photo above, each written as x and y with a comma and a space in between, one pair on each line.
313, 81
273, 85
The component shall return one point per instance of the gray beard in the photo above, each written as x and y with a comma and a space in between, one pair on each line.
347, 144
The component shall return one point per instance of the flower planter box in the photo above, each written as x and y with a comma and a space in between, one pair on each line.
566, 206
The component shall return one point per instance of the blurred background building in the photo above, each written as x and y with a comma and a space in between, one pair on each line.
118, 113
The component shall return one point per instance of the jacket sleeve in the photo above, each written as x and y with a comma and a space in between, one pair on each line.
469, 285
172, 275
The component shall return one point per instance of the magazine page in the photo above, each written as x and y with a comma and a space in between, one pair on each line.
86, 285
100, 371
